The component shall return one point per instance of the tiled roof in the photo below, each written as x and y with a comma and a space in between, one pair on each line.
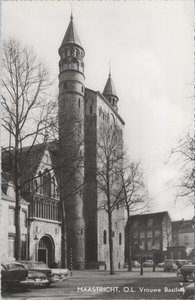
71, 35
31, 159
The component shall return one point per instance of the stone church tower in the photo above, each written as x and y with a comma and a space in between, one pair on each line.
71, 136
82, 112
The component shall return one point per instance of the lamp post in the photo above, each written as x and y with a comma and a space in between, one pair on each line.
36, 247
153, 256
141, 259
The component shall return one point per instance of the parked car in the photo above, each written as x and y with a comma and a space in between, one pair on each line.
187, 292
186, 272
37, 278
161, 264
181, 262
148, 263
170, 265
13, 274
60, 274
42, 268
135, 264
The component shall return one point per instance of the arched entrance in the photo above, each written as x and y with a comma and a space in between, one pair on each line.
46, 250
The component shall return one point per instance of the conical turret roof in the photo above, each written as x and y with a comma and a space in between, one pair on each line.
71, 35
109, 89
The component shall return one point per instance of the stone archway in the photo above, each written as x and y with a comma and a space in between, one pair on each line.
46, 250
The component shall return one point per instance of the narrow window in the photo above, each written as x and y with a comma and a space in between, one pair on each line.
91, 109
79, 102
40, 183
120, 238
105, 237
35, 186
65, 85
82, 89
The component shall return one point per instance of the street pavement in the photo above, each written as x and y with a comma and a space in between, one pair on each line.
101, 285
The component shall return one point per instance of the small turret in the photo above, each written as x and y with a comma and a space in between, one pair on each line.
110, 92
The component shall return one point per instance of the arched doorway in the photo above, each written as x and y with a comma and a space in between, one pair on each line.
46, 250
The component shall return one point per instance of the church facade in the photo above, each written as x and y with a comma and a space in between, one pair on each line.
62, 176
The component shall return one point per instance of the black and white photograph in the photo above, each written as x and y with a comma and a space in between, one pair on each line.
97, 149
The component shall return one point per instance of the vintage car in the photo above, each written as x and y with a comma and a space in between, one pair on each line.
161, 264
37, 278
170, 265
60, 274
187, 291
186, 272
181, 262
42, 268
135, 264
14, 274
148, 263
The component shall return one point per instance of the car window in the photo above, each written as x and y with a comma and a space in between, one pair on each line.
3, 268
15, 267
28, 265
40, 265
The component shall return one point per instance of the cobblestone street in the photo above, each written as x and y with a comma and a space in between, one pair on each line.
101, 285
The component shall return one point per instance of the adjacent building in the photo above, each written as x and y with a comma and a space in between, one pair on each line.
183, 240
40, 219
8, 220
151, 234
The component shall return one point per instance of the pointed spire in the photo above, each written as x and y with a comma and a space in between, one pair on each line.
71, 16
71, 35
109, 89
109, 69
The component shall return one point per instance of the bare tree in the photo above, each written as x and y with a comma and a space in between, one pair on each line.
134, 197
27, 111
184, 155
109, 163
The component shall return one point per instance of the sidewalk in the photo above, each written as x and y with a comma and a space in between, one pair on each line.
147, 273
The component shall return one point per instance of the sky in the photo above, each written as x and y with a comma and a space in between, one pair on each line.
149, 45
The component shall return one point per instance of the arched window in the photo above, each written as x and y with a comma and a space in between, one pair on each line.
79, 102
40, 187
79, 127
35, 186
104, 237
53, 188
72, 51
120, 238
49, 184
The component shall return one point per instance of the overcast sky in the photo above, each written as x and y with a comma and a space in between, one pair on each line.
150, 47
